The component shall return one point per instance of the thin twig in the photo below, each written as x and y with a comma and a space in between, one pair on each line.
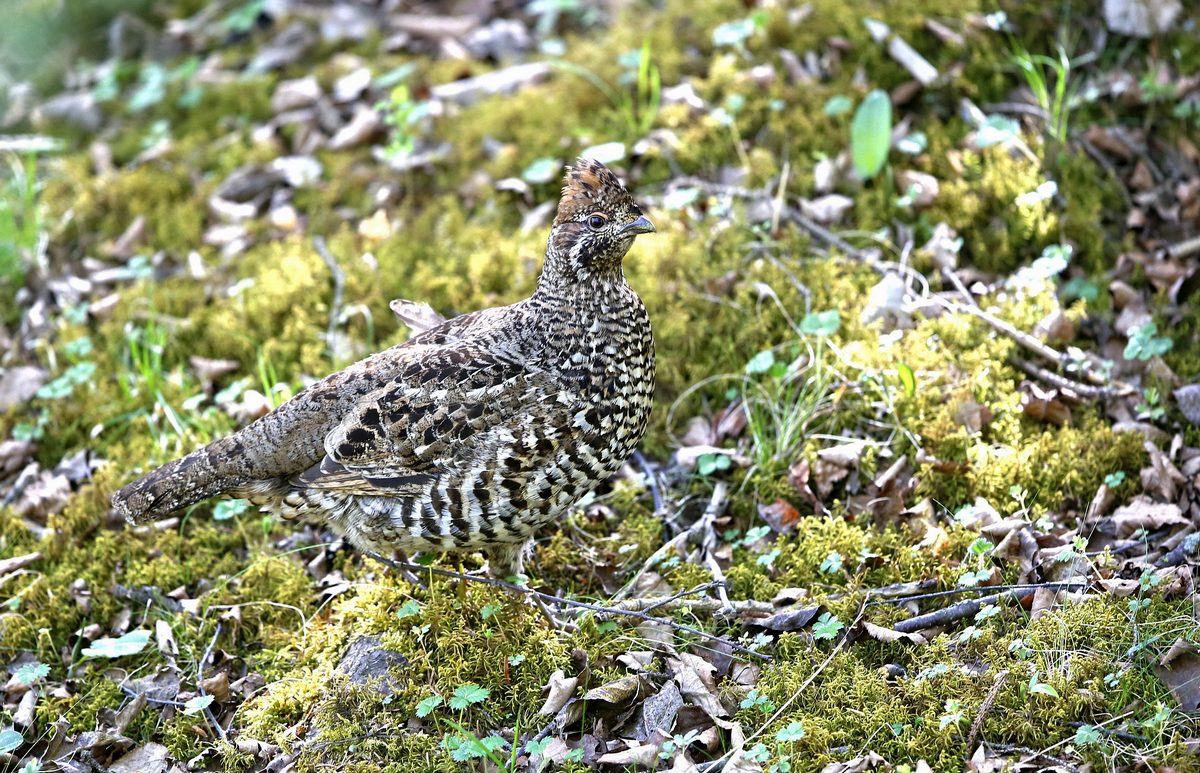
1184, 248
339, 289
715, 505
551, 598
208, 712
1081, 390
651, 481
1064, 585
739, 607
984, 708
719, 763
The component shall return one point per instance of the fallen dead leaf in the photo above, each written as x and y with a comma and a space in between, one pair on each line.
1141, 513
560, 689
1179, 670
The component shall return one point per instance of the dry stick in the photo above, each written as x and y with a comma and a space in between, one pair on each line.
1034, 754
1084, 391
339, 289
715, 505
963, 609
984, 708
1064, 585
208, 712
719, 763
568, 602
746, 606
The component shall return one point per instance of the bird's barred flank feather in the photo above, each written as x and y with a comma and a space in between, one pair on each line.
471, 435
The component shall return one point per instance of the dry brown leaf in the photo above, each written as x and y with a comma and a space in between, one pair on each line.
887, 635
560, 688
780, 515
1179, 670
868, 761
639, 755
1044, 405
694, 675
1141, 513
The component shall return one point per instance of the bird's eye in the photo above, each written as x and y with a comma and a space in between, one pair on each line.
596, 221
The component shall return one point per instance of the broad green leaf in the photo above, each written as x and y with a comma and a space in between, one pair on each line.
426, 707
197, 704
793, 732
31, 672
409, 609
228, 508
836, 105
467, 694
541, 171
130, 644
821, 323
10, 740
871, 133
827, 626
761, 362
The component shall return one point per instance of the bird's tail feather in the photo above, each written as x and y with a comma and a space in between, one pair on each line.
197, 476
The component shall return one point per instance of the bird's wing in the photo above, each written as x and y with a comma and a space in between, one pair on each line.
444, 408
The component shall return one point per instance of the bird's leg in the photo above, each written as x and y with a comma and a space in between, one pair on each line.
507, 561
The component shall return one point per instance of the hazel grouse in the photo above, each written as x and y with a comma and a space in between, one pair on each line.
471, 435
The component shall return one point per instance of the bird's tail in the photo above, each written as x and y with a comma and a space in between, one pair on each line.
199, 475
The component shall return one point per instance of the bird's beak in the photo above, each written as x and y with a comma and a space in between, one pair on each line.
639, 226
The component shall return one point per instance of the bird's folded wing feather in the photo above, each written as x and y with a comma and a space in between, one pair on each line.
446, 407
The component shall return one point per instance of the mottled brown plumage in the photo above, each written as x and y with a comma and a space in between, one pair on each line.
471, 435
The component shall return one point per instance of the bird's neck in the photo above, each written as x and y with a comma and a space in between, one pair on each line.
584, 289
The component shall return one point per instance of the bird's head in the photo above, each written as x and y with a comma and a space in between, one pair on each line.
596, 223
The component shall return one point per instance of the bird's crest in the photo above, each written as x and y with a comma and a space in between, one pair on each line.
590, 186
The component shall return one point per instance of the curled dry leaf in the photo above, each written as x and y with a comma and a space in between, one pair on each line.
780, 515
1044, 405
868, 761
636, 754
887, 635
1141, 513
559, 690
658, 712
1179, 670
694, 675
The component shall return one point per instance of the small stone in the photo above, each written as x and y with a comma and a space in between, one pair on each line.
285, 218
827, 209
18, 385
505, 81
298, 171
1188, 399
922, 187
1055, 328
367, 662
295, 94
376, 228
1141, 18
501, 39
78, 110
351, 86
361, 129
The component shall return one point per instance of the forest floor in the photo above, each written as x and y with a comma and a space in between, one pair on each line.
920, 488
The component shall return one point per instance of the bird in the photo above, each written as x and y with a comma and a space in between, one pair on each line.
471, 435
